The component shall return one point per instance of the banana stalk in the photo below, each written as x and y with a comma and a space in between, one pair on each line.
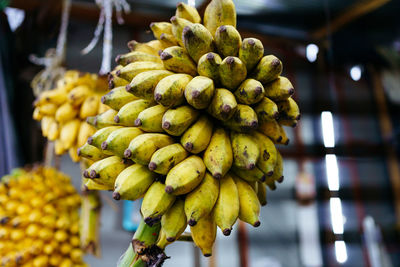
89, 224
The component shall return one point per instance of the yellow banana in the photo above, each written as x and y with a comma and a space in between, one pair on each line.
53, 131
77, 95
249, 210
45, 125
280, 89
208, 65
85, 131
104, 119
252, 175
143, 84
105, 171
66, 112
187, 12
177, 28
142, 147
115, 81
250, 52
73, 153
197, 137
132, 189
218, 13
91, 152
185, 176
245, 151
173, 222
169, 91
287, 122
278, 170
218, 156
36, 114
243, 120
129, 112
268, 69
101, 135
266, 110
159, 28
249, 92
176, 120
129, 71
117, 97
232, 72
57, 96
167, 157
197, 40
142, 47
289, 109
48, 109
89, 106
274, 131
168, 40
262, 193
156, 45
69, 133
228, 40
176, 59
150, 119
226, 209
268, 153
200, 202
155, 203
162, 241
58, 147
223, 105
119, 140
204, 234
136, 56
199, 92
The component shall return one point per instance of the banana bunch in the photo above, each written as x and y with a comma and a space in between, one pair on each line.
39, 220
199, 142
63, 110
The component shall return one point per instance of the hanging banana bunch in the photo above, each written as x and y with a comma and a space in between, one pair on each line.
194, 122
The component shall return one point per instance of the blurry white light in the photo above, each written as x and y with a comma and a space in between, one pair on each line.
336, 215
327, 129
332, 172
15, 17
312, 52
355, 73
340, 251
191, 2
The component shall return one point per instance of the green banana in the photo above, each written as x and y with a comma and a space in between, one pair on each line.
167, 157
204, 234
266, 110
187, 12
159, 28
176, 59
280, 89
223, 104
252, 175
142, 147
199, 92
129, 112
144, 83
228, 40
91, 152
133, 182
262, 193
226, 209
289, 109
150, 119
208, 66
232, 72
101, 135
268, 153
245, 151
249, 92
243, 120
173, 222
218, 13
197, 137
274, 131
197, 40
218, 156
155, 203
177, 28
176, 120
104, 119
129, 71
200, 202
105, 171
185, 176
249, 210
119, 140
117, 97
136, 56
250, 53
268, 69
169, 91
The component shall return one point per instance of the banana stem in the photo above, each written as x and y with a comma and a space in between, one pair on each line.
89, 224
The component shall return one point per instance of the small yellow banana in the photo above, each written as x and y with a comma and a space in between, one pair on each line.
249, 210
187, 12
204, 234
249, 92
266, 110
208, 65
232, 72
228, 40
218, 13
105, 171
91, 152
268, 153
243, 120
199, 92
197, 40
245, 151
119, 140
150, 119
223, 105
136, 56
129, 71
274, 131
268, 69
197, 137
129, 112
69, 133
167, 157
176, 120
89, 106
117, 97
144, 83
250, 52
173, 222
169, 91
176, 59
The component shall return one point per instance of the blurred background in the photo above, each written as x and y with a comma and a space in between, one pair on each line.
339, 204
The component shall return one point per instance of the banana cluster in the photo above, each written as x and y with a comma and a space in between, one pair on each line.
64, 109
198, 145
39, 220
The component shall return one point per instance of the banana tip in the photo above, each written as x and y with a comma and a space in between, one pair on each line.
222, 28
79, 152
226, 231
104, 145
287, 142
291, 91
166, 125
138, 122
250, 166
118, 73
192, 222
165, 56
257, 223
127, 153
90, 140
116, 196
210, 56
251, 42
226, 108
280, 179
263, 178
189, 146
254, 124
258, 90
270, 173
86, 174
230, 60
173, 19
157, 97
179, 5
169, 189
275, 63
118, 58
186, 32
217, 175
128, 88
152, 166
276, 115
170, 239
103, 99
116, 118
93, 174
195, 93
207, 255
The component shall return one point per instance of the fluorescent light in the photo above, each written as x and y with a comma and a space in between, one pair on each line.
355, 73
341, 252
15, 17
327, 129
332, 172
312, 52
336, 215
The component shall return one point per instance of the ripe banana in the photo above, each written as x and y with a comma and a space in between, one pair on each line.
185, 176
208, 65
150, 119
129, 71
204, 234
232, 72
249, 210
228, 40
197, 40
187, 12
262, 193
223, 104
89, 106
105, 171
218, 13
167, 157
77, 95
177, 28
173, 222
289, 109
199, 92
117, 97
159, 28
243, 120
66, 112
101, 135
92, 185
168, 40
144, 83
169, 91
197, 137
176, 120
176, 59
91, 152
136, 56
252, 175
129, 112
250, 53
142, 47
266, 110
268, 69
69, 132
275, 131
249, 92
119, 140
268, 153
280, 89
245, 151
104, 119
218, 156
